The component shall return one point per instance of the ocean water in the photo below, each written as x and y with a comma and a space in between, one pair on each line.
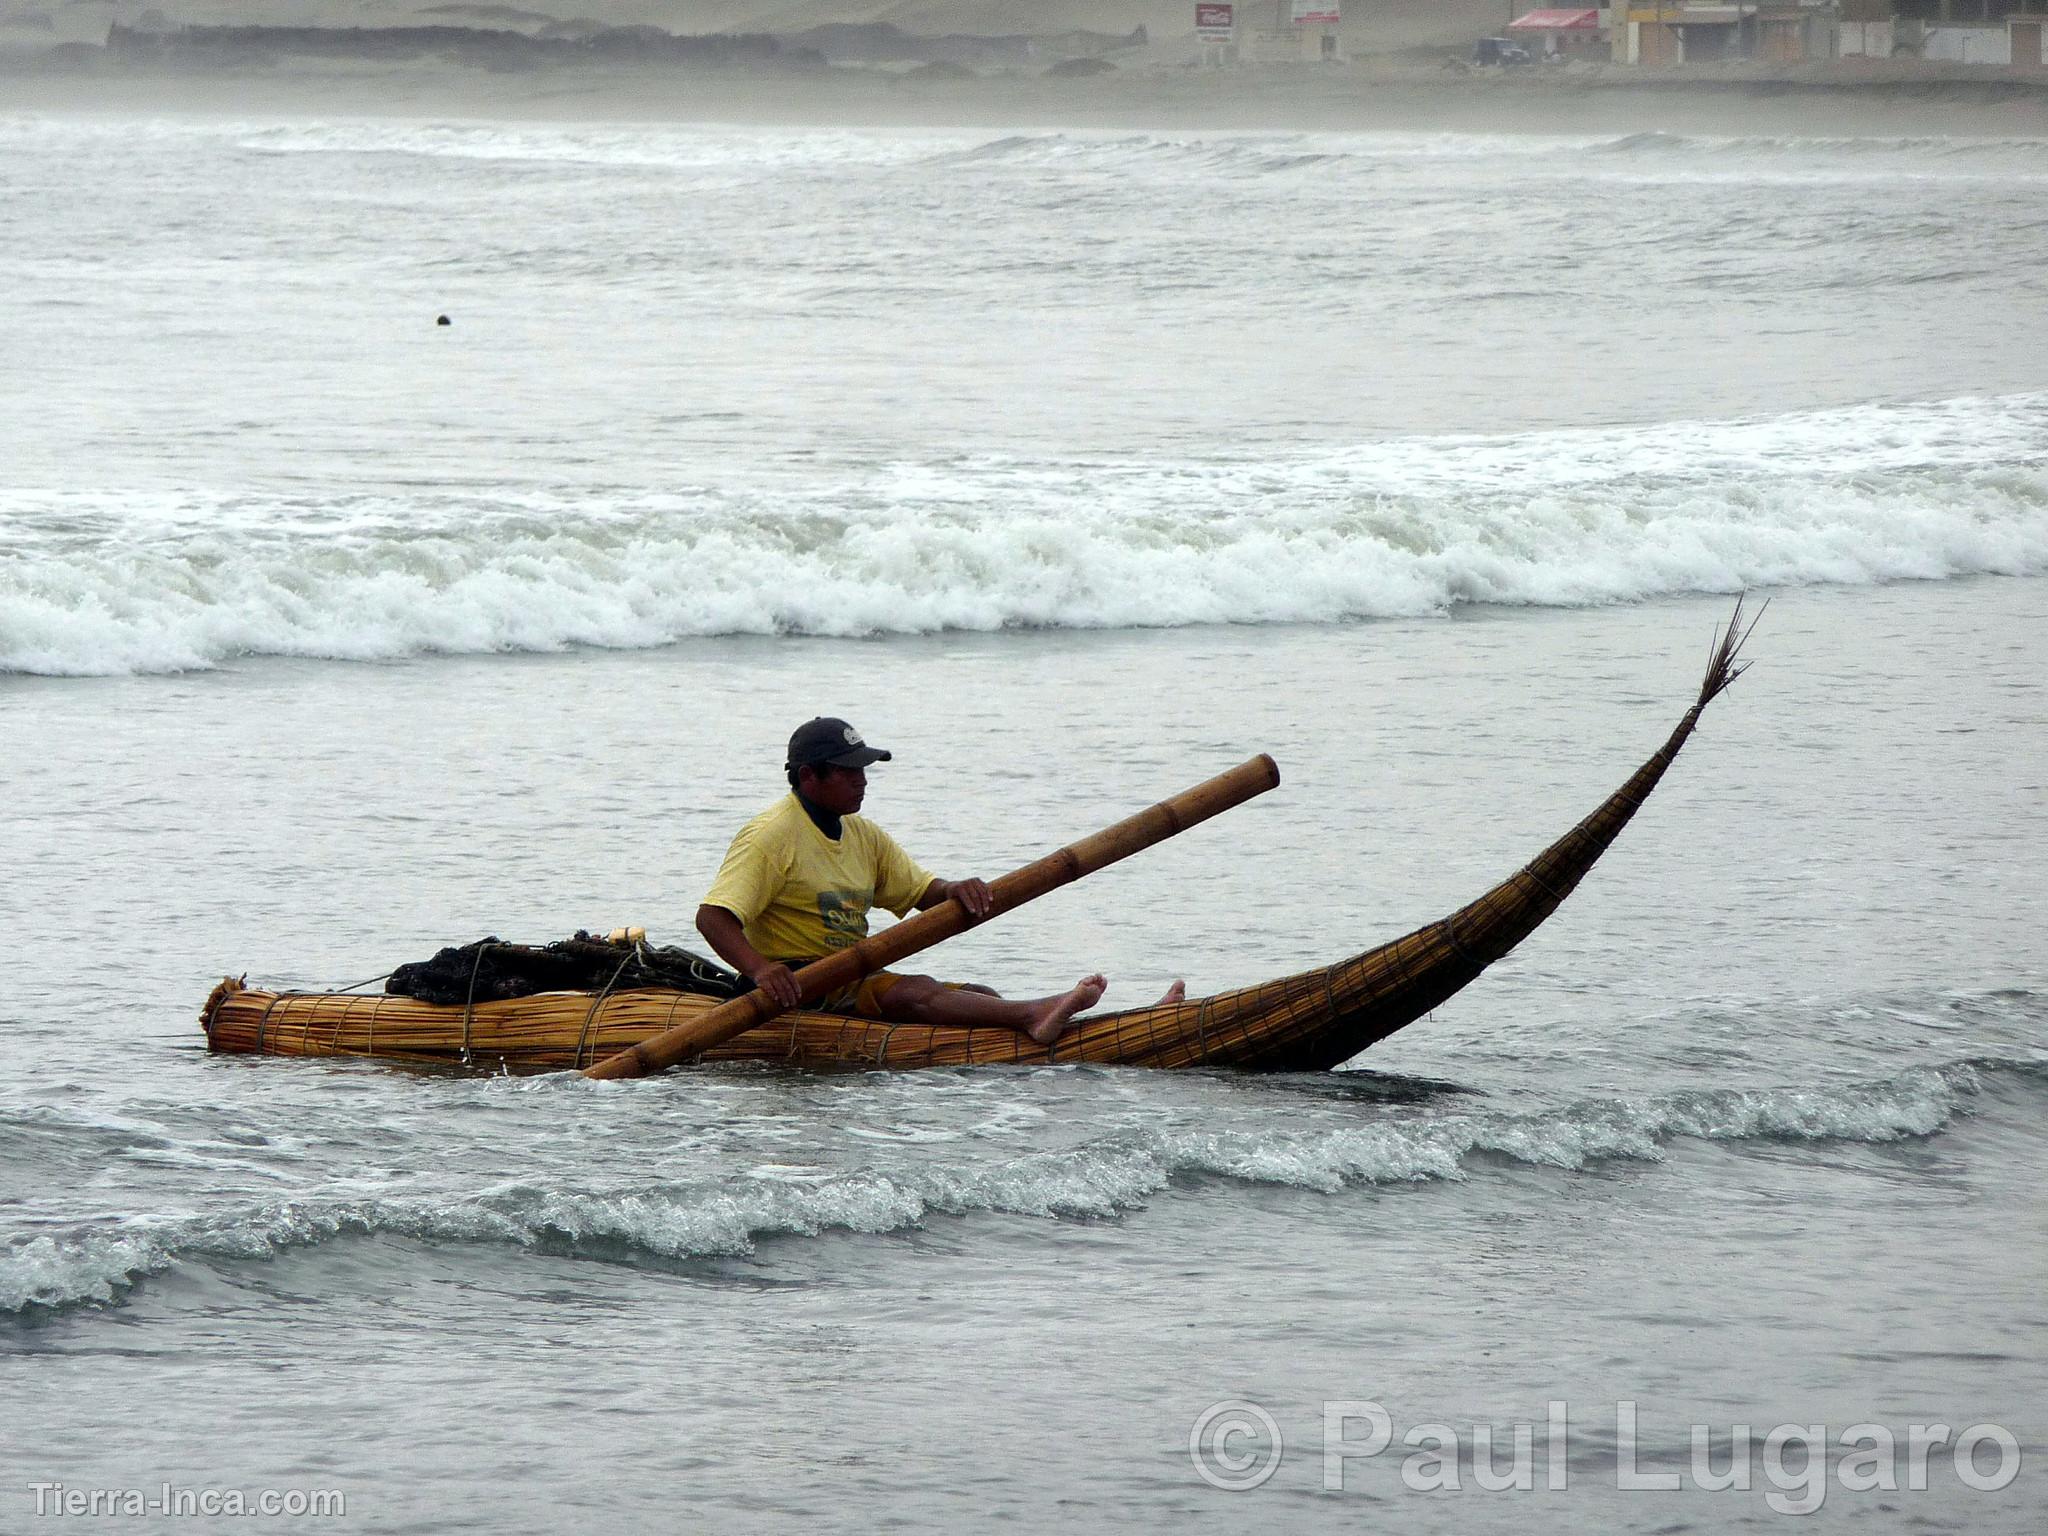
1073, 467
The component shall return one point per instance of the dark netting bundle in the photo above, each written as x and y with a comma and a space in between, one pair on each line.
491, 970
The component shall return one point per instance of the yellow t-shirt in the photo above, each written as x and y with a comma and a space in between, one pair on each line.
798, 894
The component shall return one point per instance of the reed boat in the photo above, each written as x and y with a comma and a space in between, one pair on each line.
1313, 1021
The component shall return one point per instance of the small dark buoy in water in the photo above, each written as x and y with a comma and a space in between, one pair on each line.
442, 320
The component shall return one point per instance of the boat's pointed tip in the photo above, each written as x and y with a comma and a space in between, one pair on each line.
1723, 661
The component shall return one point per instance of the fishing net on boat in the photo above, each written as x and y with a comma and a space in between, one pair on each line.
490, 970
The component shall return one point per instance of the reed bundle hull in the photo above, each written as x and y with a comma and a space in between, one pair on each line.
559, 1030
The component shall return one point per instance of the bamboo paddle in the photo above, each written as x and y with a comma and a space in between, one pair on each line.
846, 966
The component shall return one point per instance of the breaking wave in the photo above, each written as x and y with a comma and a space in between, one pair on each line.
698, 148
95, 585
682, 147
1276, 152
1104, 1178
2016, 153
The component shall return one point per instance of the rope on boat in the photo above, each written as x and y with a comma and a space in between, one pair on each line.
1550, 890
1458, 944
264, 1022
360, 984
596, 1003
469, 1002
348, 1010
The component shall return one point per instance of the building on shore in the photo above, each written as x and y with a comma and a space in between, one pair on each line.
1561, 34
1274, 31
2007, 32
1697, 32
1995, 32
2027, 40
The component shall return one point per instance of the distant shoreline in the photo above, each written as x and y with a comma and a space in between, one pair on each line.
1372, 94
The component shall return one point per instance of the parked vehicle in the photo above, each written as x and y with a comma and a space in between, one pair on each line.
1502, 52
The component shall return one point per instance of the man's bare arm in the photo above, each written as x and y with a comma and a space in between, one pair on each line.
723, 932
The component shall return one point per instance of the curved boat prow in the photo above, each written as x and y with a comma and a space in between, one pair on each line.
1322, 1018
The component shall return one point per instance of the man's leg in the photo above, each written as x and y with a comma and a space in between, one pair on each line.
921, 1000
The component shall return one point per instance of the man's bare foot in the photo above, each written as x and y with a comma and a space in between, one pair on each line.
1056, 1014
1177, 993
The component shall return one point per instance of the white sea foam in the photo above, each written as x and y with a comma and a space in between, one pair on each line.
1660, 155
1106, 1177
677, 146
642, 146
107, 585
690, 147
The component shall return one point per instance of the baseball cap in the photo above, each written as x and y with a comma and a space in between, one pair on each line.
828, 739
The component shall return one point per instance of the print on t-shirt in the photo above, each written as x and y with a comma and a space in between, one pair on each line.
845, 914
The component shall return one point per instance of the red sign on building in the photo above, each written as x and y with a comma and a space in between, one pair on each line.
1215, 23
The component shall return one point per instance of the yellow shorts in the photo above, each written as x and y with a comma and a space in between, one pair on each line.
864, 998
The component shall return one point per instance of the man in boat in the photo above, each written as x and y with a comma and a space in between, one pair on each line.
800, 877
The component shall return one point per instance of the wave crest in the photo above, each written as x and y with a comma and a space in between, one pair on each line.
1399, 528
1104, 1178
